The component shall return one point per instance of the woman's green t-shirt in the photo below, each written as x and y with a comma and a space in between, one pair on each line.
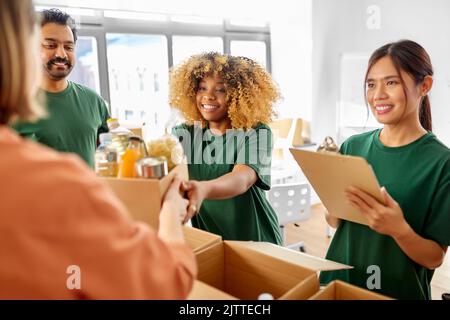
417, 176
248, 216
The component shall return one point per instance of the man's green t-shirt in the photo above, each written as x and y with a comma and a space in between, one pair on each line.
76, 116
417, 176
248, 216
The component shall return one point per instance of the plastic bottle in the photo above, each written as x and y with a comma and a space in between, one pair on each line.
120, 135
128, 160
106, 157
265, 296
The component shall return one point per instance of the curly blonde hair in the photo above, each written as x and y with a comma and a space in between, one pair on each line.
251, 92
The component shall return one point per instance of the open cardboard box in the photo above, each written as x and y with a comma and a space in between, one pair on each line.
200, 240
338, 290
247, 269
143, 197
202, 291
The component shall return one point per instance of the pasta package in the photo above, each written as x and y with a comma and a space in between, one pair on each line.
168, 147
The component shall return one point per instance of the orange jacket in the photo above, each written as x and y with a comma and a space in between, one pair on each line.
55, 214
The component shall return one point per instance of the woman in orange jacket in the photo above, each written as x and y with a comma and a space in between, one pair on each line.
63, 234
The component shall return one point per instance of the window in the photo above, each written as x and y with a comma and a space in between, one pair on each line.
185, 46
255, 50
138, 77
134, 15
86, 71
196, 20
125, 55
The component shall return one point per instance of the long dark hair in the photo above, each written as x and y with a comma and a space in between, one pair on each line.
412, 58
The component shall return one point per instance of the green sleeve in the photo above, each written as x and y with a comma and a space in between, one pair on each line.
437, 226
104, 112
257, 152
26, 130
343, 148
104, 115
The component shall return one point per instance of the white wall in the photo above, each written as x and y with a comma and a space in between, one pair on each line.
340, 26
291, 42
229, 9
291, 37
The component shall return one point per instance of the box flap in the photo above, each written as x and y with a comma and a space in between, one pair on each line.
303, 290
202, 291
346, 291
285, 254
198, 239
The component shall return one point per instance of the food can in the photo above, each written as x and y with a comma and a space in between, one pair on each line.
152, 168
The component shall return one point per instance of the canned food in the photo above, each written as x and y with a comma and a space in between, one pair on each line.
151, 168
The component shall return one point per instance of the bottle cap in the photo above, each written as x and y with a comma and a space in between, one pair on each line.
112, 123
265, 296
105, 137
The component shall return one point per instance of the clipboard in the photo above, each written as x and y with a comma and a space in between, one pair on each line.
330, 174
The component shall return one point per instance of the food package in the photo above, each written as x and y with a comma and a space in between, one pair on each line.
167, 146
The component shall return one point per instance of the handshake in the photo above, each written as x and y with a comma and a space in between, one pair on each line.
184, 199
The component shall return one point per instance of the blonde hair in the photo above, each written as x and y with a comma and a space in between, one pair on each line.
18, 72
251, 92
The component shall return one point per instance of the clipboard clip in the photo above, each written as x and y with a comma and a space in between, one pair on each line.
328, 145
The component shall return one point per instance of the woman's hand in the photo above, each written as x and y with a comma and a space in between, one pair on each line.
227, 186
332, 221
174, 203
173, 211
196, 192
385, 218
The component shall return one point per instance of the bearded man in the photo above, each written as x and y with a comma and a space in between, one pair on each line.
76, 114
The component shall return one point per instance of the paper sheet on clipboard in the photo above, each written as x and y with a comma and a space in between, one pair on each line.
331, 174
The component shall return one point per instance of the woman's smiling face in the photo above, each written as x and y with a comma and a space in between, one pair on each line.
386, 93
212, 99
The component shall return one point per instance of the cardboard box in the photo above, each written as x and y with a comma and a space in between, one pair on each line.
339, 290
200, 240
202, 291
280, 130
143, 197
247, 269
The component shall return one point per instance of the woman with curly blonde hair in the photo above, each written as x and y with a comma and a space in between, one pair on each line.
227, 103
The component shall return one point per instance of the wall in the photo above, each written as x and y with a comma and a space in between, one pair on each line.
291, 42
340, 27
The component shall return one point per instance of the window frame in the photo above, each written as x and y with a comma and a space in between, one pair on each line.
99, 26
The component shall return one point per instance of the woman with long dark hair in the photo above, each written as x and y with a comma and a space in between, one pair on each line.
408, 235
